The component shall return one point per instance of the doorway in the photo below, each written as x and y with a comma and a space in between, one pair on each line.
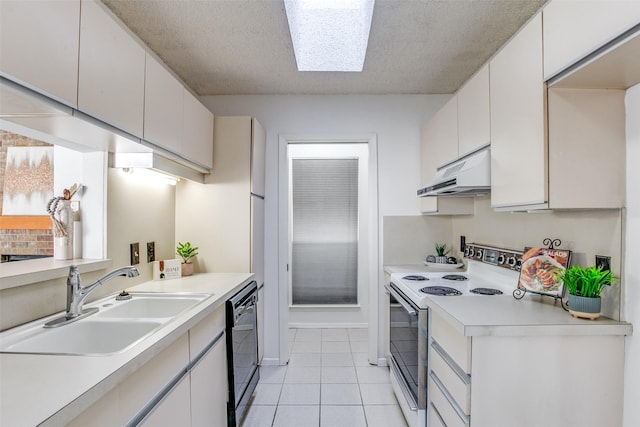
328, 222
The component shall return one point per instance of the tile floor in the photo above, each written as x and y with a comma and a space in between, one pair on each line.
327, 383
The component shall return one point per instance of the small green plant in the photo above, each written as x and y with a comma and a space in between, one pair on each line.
186, 251
586, 281
441, 249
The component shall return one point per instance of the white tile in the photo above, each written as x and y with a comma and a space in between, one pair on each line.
361, 359
337, 359
308, 335
359, 346
297, 416
272, 374
338, 375
335, 335
303, 374
358, 334
377, 394
342, 416
373, 374
340, 394
259, 416
305, 359
336, 347
300, 394
306, 347
266, 394
384, 416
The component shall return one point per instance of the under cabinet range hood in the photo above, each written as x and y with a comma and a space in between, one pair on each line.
467, 176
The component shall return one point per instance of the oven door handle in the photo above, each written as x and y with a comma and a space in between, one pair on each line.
402, 301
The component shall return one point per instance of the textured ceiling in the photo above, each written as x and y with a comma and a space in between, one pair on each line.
244, 47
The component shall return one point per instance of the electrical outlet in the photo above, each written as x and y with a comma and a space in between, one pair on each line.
134, 253
151, 251
604, 262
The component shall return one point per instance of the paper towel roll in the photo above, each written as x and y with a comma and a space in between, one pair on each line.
77, 239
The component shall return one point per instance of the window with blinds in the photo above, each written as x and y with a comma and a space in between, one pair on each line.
324, 231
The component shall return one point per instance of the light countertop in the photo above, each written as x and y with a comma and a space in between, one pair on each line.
503, 315
54, 389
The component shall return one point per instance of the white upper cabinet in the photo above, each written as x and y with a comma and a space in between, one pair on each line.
111, 71
39, 41
163, 98
518, 121
197, 131
474, 117
575, 28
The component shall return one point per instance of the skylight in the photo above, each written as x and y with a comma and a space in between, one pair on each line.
329, 35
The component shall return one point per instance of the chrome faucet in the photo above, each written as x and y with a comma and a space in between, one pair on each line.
77, 294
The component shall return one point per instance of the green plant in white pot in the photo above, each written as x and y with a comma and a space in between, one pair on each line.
186, 252
441, 253
585, 284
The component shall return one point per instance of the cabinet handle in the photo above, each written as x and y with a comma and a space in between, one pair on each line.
463, 417
464, 377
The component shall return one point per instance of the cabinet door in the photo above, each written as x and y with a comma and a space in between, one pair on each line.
209, 388
575, 28
173, 410
518, 121
197, 131
163, 98
474, 118
39, 41
111, 70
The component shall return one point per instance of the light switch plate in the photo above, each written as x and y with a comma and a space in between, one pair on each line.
134, 253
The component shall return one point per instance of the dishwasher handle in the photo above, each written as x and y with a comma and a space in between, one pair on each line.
246, 307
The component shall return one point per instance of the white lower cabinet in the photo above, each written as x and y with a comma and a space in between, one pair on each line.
184, 385
523, 380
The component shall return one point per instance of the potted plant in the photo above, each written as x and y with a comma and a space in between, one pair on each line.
441, 253
585, 285
186, 252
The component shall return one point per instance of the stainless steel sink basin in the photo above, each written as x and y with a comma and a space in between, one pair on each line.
118, 326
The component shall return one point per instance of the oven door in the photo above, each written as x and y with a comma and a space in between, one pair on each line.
408, 346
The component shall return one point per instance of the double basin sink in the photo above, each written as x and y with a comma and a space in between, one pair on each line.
115, 328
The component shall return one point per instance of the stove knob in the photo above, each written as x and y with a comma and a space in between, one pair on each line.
479, 254
518, 263
501, 259
511, 261
466, 251
471, 252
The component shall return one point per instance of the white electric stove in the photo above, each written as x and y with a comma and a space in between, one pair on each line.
490, 272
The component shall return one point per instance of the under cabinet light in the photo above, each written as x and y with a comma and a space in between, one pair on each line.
329, 35
151, 176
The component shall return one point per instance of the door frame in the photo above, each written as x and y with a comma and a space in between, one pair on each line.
283, 239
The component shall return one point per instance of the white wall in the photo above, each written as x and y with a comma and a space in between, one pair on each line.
631, 294
395, 119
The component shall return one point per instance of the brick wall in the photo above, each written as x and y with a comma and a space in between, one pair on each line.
20, 241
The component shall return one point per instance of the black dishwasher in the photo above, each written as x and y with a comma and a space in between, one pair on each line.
242, 351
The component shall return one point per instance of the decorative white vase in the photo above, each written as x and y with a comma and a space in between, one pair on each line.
63, 232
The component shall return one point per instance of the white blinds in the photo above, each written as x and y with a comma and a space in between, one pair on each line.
325, 231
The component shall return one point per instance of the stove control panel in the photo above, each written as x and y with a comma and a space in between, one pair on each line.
505, 258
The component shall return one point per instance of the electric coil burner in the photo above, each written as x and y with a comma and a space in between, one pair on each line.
486, 291
415, 277
456, 277
440, 290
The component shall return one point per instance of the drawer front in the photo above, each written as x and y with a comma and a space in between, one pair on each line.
452, 377
435, 420
445, 407
457, 345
